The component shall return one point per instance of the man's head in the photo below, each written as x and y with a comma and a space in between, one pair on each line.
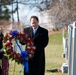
34, 21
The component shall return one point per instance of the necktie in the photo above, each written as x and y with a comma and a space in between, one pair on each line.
34, 31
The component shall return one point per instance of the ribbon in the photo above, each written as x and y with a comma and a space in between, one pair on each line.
24, 54
14, 33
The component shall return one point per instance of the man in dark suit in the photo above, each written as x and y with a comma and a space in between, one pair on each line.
40, 38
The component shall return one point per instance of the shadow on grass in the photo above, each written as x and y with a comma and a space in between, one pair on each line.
53, 70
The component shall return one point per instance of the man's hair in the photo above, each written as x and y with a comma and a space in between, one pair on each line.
34, 17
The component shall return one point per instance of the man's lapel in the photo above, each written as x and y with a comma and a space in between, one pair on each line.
30, 32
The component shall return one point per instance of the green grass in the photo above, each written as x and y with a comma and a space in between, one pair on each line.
55, 39
53, 53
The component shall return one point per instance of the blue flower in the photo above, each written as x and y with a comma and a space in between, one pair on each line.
14, 33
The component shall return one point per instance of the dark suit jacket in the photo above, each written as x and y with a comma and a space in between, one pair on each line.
1, 38
37, 63
1, 52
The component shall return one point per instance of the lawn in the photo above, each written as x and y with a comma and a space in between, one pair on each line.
53, 54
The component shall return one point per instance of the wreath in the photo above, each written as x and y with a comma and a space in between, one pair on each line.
16, 37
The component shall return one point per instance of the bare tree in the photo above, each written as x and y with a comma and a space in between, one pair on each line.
33, 3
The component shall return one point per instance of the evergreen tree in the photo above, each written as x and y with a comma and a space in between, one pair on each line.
4, 11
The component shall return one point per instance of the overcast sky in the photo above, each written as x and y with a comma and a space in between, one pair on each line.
26, 12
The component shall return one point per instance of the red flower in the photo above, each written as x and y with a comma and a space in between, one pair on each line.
6, 44
10, 31
4, 41
13, 55
20, 58
9, 51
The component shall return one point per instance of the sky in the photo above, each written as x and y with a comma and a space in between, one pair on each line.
25, 12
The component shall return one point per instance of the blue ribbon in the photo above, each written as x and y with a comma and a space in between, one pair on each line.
24, 54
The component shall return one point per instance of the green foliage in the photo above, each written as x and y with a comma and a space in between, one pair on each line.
4, 10
4, 13
6, 2
55, 29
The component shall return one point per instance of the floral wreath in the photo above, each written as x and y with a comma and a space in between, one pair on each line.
18, 37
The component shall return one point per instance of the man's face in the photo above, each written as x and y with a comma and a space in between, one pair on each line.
34, 23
